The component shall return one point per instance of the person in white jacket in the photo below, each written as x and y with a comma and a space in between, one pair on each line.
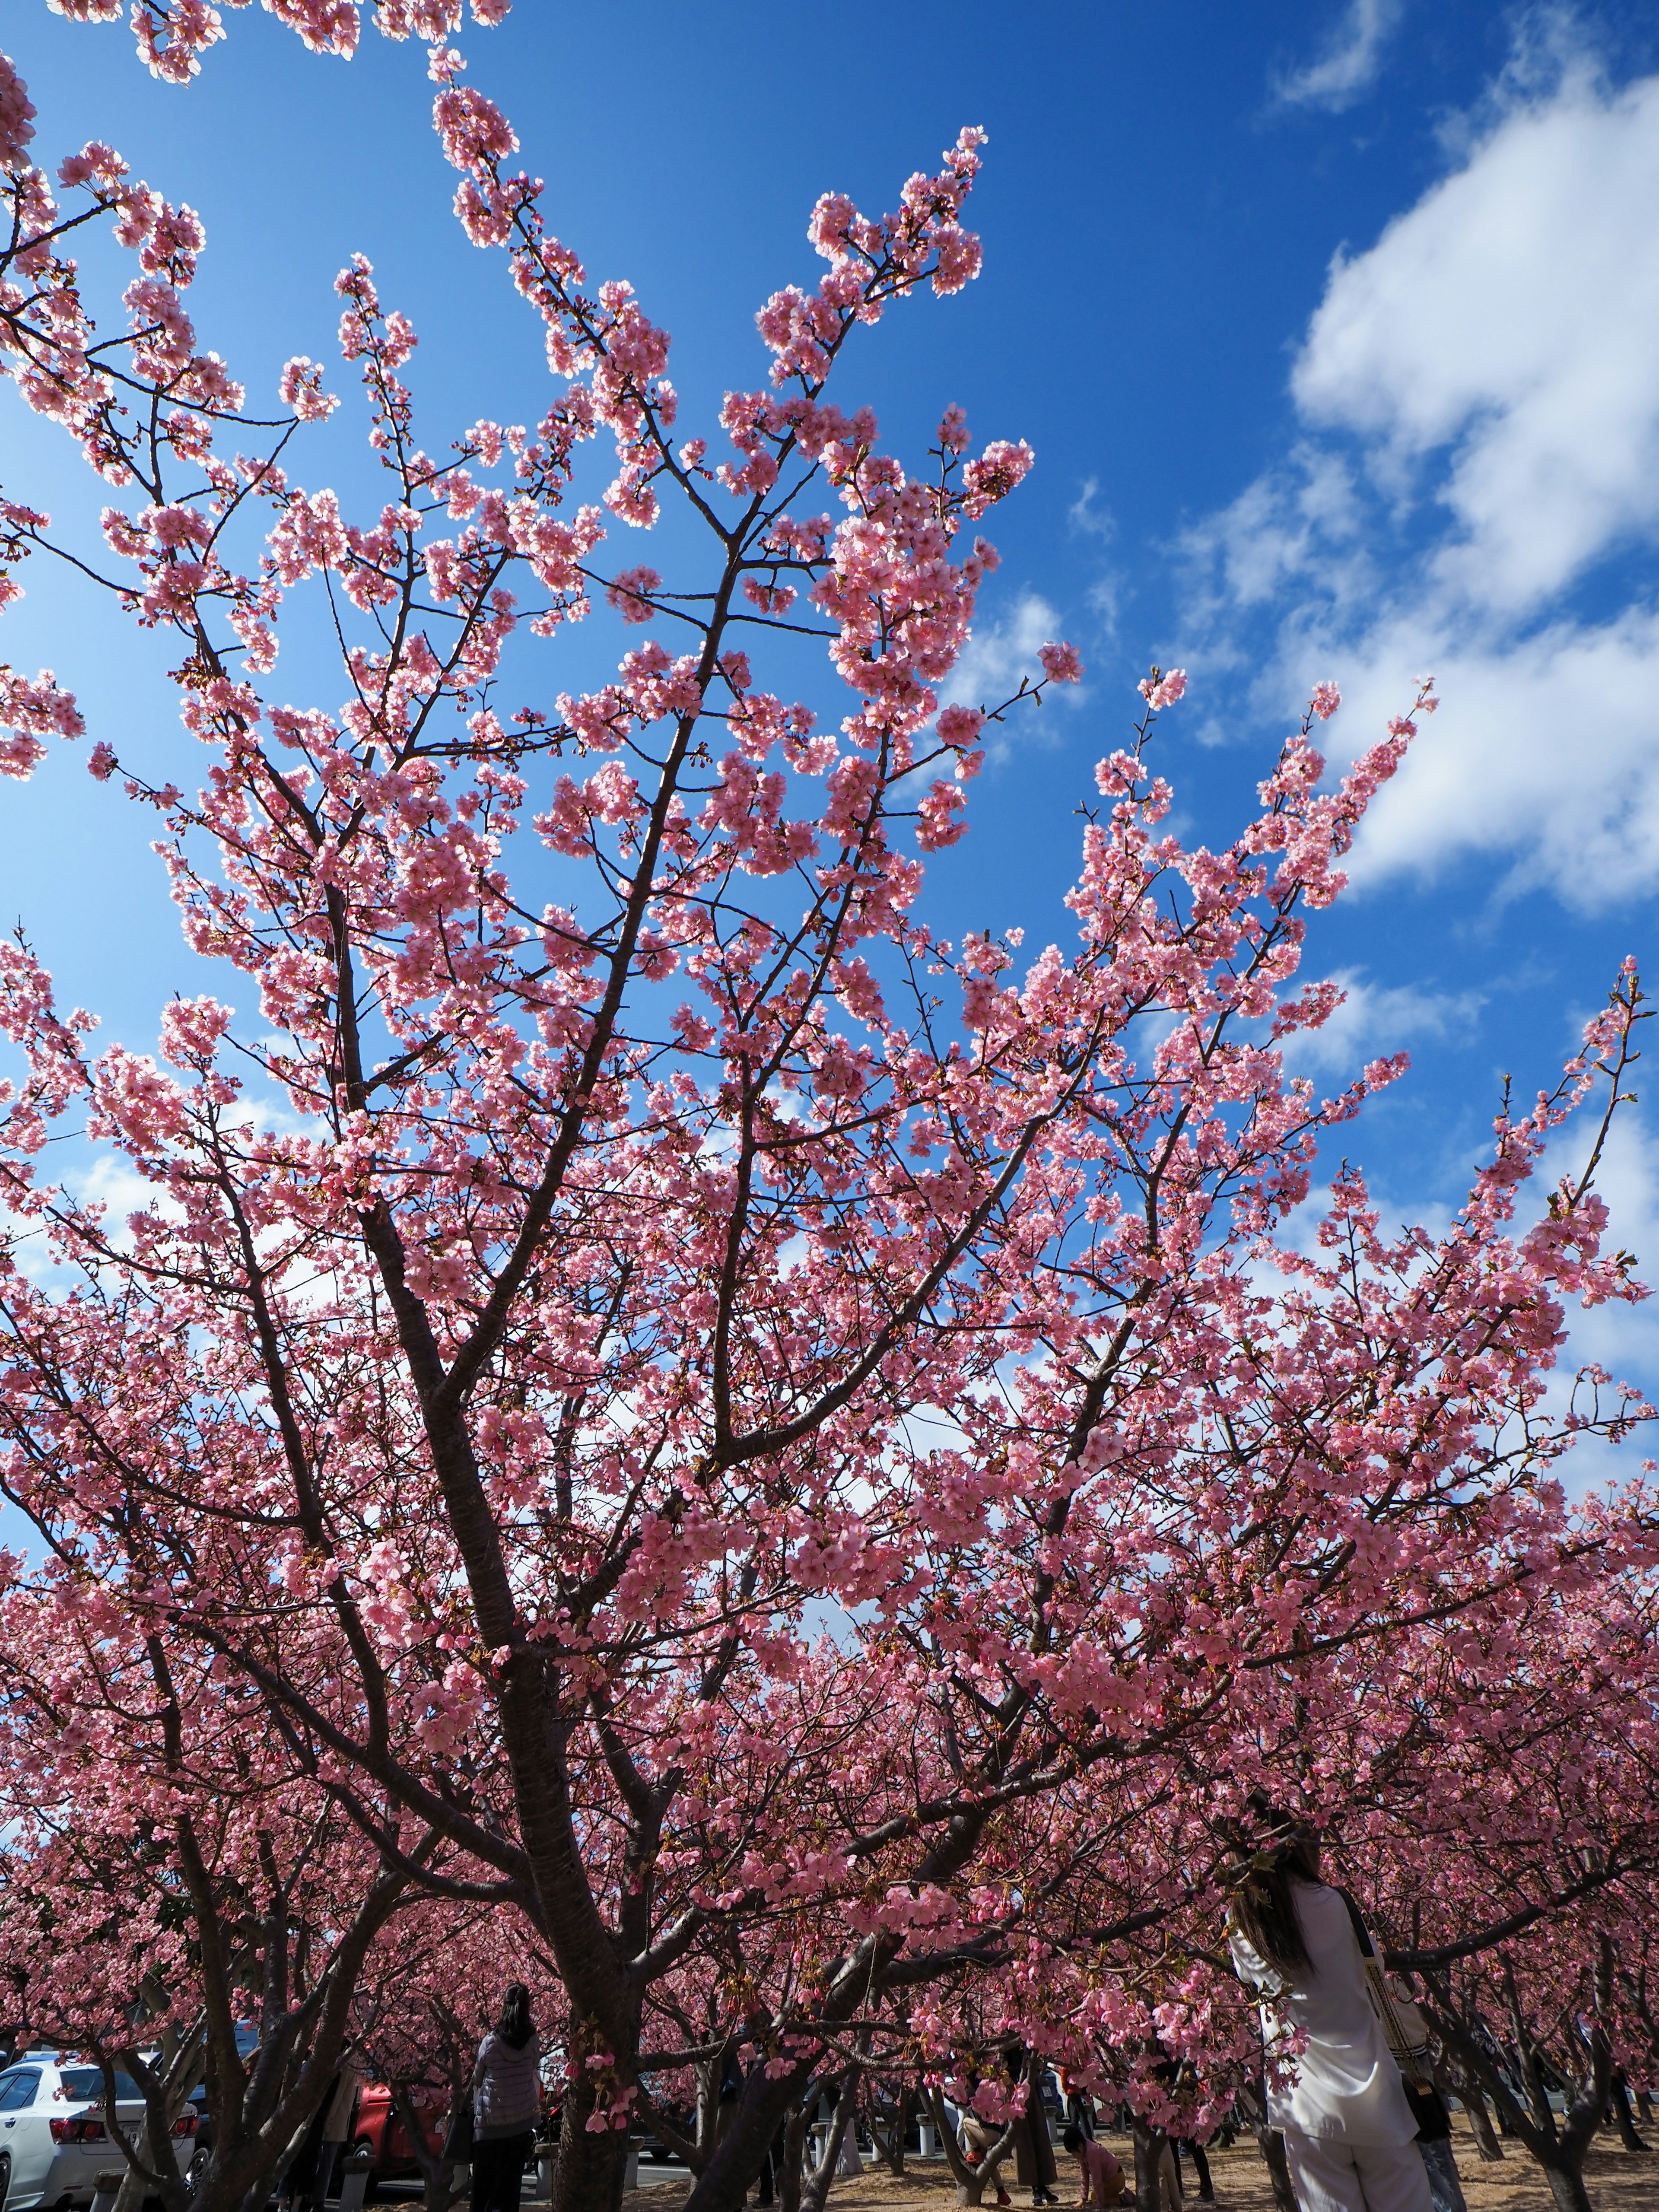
1349, 2133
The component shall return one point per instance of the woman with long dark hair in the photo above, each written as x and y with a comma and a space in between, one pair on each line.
1349, 2133
506, 2102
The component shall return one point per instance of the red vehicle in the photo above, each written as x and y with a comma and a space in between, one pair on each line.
379, 2127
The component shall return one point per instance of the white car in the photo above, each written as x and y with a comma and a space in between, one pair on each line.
54, 2141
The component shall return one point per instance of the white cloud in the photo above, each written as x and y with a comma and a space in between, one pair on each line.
1625, 1338
1084, 515
1346, 66
1104, 595
1306, 514
1374, 1019
1475, 489
998, 655
1512, 318
1546, 753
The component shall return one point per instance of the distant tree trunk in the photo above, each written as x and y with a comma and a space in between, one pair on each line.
1253, 2103
1558, 2144
890, 2144
438, 2187
795, 2148
816, 2189
1475, 2104
1624, 2118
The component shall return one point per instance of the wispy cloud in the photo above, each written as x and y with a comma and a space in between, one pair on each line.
1088, 518
1346, 66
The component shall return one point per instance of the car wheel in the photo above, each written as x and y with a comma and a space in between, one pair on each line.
372, 2187
5, 2180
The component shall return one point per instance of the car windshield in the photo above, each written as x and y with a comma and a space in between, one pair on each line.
84, 2085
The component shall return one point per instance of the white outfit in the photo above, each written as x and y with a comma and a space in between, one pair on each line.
1338, 2177
1349, 2134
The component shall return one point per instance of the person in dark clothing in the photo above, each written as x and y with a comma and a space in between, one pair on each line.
299, 2184
1034, 2152
771, 2172
506, 2102
1188, 2147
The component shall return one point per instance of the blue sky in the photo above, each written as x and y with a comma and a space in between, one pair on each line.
1334, 326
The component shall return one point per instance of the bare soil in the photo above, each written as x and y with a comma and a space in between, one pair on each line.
1617, 2182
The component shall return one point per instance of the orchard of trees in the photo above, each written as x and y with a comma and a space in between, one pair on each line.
662, 1426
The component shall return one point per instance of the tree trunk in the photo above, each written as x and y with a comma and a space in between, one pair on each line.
592, 2163
1150, 2144
181, 2067
890, 2146
1480, 2126
1566, 2180
1644, 2105
1253, 2104
1279, 2169
438, 2190
794, 2146
708, 2080
971, 2181
1624, 2118
816, 2189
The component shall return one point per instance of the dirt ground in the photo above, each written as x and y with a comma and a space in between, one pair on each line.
1617, 2182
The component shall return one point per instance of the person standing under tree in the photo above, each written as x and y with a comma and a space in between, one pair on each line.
507, 2102
1349, 2133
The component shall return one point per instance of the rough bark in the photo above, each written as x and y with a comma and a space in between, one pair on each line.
591, 2163
1567, 2188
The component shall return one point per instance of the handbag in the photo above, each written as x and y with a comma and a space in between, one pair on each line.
458, 2137
1428, 2106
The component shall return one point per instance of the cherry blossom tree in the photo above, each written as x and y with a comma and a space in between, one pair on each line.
1512, 1852
566, 1286
166, 1881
